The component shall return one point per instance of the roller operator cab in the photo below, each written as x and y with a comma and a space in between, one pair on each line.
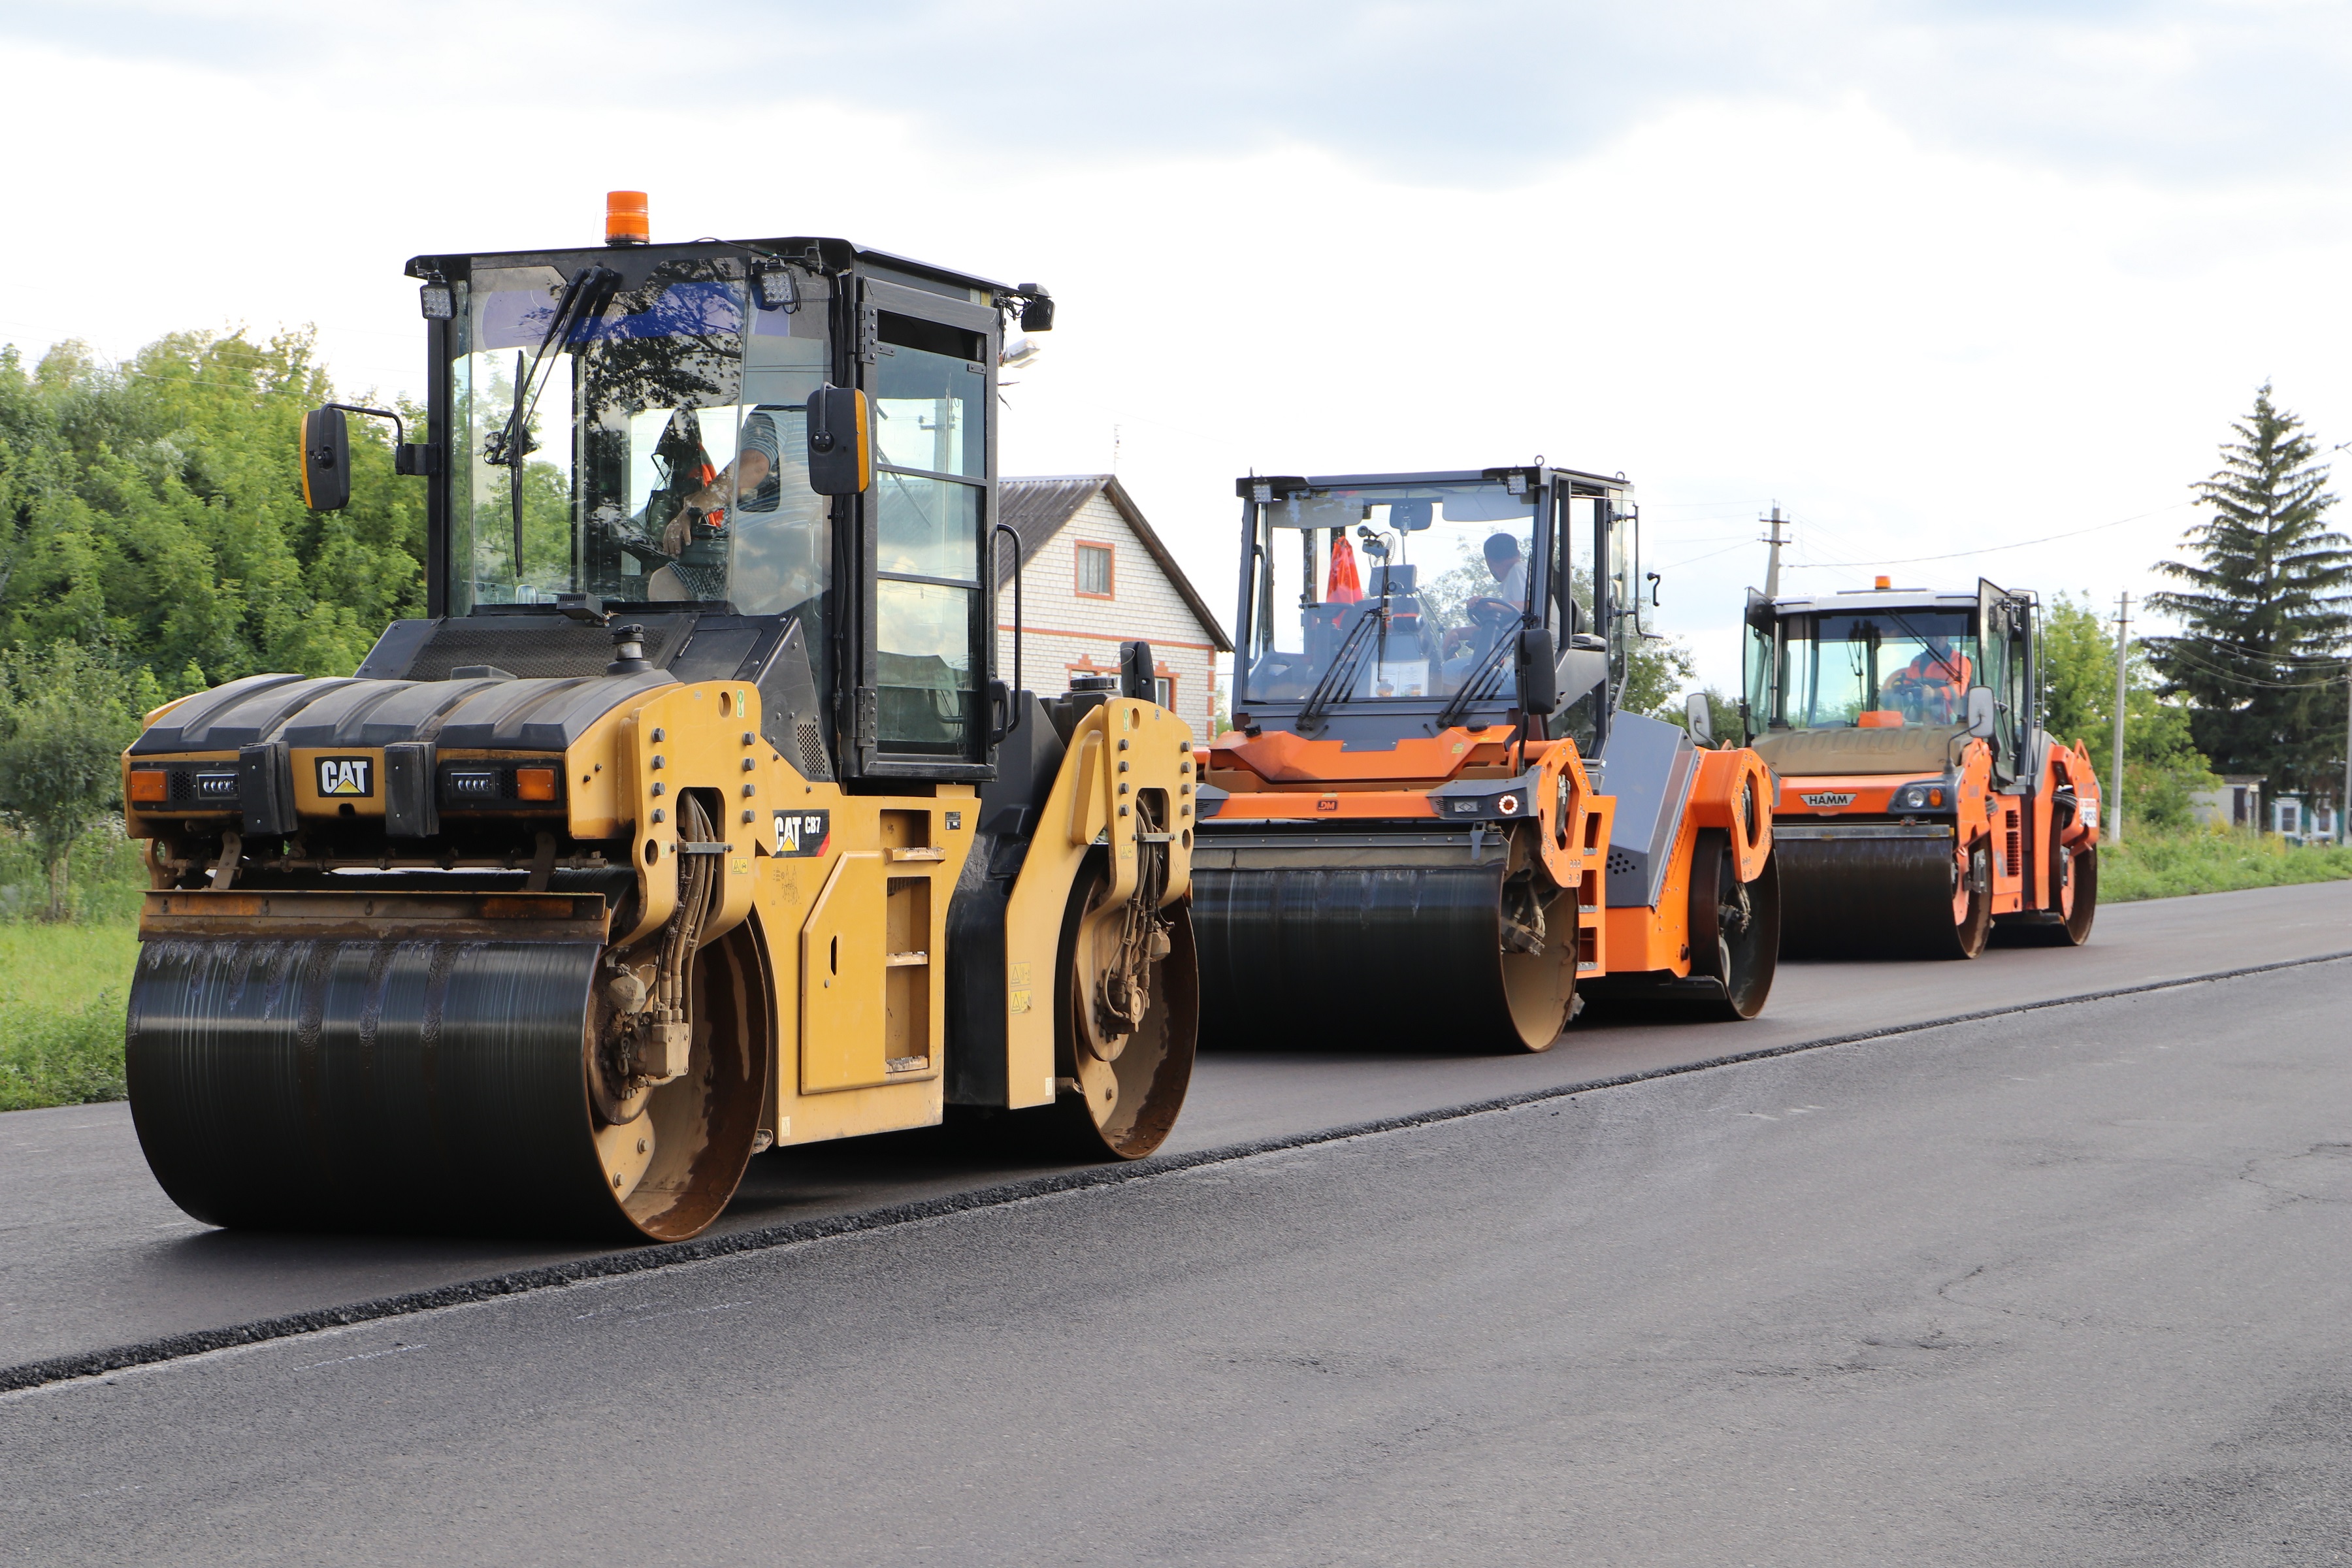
1921, 807
1433, 825
692, 818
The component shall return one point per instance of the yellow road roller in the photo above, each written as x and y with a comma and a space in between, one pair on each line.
693, 817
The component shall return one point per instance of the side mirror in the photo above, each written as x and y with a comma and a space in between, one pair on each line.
326, 460
1980, 712
1702, 717
1134, 672
840, 442
1036, 309
1538, 679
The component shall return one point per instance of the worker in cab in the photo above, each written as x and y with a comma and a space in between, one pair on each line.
753, 534
1933, 689
1489, 613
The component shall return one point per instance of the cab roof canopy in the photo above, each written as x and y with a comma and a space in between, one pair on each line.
1279, 485
1854, 601
818, 252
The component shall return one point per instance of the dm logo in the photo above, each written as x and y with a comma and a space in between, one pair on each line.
1827, 799
350, 777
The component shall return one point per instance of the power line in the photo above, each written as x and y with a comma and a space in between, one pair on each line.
1990, 549
2233, 679
1709, 555
2334, 661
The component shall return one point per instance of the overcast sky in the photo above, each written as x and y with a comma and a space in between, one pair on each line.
1939, 278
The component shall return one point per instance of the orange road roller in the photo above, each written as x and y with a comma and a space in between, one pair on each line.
1922, 810
1431, 824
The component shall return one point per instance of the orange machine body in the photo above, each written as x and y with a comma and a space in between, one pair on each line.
2018, 825
1919, 816
1540, 791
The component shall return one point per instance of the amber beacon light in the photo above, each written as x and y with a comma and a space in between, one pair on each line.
625, 217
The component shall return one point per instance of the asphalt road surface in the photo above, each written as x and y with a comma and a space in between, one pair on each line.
2064, 1285
93, 1256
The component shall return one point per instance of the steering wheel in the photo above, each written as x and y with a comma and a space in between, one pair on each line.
1490, 614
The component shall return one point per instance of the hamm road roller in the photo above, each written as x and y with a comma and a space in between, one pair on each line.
691, 819
1922, 808
1431, 824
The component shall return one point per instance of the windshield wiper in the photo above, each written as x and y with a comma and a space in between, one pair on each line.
1950, 662
1341, 674
509, 448
1480, 675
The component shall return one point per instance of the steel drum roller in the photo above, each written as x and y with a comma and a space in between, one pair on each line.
1349, 957
1867, 896
416, 1084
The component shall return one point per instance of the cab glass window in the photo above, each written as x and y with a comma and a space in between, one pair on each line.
929, 390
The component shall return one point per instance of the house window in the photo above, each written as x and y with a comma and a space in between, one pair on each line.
1163, 691
1094, 572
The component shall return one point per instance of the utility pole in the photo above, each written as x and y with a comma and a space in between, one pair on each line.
1773, 565
2123, 670
2344, 801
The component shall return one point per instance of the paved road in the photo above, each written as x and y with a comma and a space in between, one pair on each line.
92, 1254
2066, 1285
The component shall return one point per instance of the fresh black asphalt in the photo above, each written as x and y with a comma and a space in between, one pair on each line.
2065, 1285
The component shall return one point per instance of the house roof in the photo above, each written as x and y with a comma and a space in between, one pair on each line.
1038, 509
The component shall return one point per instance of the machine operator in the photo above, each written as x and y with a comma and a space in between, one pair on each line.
781, 546
1936, 681
1509, 569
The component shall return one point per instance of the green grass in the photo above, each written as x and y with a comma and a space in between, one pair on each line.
2168, 864
61, 992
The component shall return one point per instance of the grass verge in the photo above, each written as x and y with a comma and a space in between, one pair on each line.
61, 995
2168, 864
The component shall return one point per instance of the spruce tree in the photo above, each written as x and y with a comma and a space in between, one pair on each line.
2266, 607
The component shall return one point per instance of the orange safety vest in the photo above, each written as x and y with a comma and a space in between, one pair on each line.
1951, 671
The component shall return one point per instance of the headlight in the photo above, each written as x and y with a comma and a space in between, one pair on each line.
1921, 797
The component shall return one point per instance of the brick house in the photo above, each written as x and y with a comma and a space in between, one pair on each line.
1093, 574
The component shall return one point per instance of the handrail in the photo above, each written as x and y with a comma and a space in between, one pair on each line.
1006, 529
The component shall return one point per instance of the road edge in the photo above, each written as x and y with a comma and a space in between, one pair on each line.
50, 1370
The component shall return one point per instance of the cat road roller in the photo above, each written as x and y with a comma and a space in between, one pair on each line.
1431, 826
691, 819
1922, 809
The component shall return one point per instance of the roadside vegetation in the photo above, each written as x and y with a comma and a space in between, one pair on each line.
2169, 865
61, 996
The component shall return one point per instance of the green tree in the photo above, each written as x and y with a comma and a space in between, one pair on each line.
2266, 605
1722, 711
65, 717
156, 507
1655, 674
2162, 766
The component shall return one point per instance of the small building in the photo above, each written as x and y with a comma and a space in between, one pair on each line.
2300, 822
2238, 803
1094, 575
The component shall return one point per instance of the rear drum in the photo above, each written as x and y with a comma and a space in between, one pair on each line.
2077, 879
1735, 926
1125, 1107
